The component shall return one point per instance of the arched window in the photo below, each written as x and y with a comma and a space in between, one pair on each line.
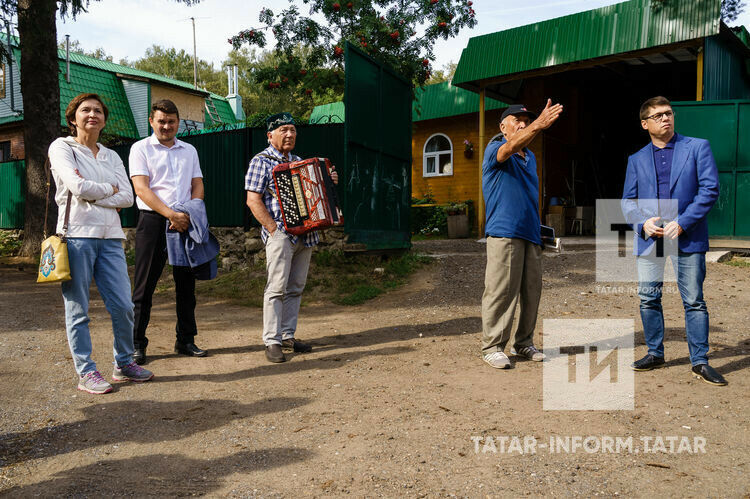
438, 156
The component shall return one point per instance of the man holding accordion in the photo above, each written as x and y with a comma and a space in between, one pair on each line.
287, 255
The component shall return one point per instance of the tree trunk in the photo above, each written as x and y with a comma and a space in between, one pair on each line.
41, 112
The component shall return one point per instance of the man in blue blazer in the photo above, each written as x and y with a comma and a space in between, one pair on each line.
670, 186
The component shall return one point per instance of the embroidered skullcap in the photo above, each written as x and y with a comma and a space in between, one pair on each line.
277, 120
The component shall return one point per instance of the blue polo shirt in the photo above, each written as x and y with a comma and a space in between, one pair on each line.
511, 195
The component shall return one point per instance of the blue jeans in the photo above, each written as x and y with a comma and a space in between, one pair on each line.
690, 269
104, 260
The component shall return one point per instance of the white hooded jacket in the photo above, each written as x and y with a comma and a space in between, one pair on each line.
93, 207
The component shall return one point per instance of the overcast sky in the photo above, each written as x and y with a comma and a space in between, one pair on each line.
126, 28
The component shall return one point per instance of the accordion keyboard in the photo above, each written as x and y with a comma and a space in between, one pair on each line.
288, 198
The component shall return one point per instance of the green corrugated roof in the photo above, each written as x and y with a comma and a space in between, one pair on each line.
106, 84
112, 67
741, 33
126, 70
221, 103
328, 113
97, 76
10, 119
440, 100
87, 79
223, 108
623, 27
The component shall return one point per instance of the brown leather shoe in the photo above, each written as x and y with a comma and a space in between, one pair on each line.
274, 353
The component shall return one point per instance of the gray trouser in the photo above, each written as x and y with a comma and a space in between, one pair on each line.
287, 266
514, 270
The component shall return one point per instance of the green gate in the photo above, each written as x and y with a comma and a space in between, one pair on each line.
12, 193
376, 177
726, 124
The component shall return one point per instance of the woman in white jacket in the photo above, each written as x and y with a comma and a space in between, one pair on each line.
99, 186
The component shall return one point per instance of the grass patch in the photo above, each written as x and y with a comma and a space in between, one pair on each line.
333, 277
739, 261
130, 256
359, 294
355, 279
10, 244
241, 286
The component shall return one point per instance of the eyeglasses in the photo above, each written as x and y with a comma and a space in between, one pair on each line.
658, 117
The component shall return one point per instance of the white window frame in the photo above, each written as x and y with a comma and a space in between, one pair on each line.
436, 155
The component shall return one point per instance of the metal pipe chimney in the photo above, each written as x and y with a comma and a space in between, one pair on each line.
67, 58
234, 88
229, 81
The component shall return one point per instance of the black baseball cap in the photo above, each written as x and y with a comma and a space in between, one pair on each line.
515, 110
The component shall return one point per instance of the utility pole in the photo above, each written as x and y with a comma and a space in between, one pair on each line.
195, 58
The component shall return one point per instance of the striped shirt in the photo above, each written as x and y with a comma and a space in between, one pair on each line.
258, 179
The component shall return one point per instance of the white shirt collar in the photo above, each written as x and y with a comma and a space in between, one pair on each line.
154, 141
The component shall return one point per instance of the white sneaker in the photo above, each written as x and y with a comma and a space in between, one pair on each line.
498, 360
529, 352
93, 382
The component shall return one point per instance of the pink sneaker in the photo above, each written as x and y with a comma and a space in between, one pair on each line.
132, 372
93, 382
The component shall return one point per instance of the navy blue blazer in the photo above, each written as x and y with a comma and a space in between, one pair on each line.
693, 182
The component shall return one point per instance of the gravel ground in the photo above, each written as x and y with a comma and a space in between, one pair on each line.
386, 404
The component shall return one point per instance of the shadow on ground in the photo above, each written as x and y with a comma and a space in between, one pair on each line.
134, 421
170, 475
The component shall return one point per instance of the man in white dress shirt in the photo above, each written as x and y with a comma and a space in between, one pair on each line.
165, 171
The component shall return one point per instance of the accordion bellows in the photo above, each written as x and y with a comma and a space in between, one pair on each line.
307, 195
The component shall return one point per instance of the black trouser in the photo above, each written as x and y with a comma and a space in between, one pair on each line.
150, 257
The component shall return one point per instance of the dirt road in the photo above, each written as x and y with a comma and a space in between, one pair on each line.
393, 401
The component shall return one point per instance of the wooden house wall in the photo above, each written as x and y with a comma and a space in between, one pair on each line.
191, 106
463, 184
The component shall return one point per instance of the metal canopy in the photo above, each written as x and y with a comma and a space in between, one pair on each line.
633, 28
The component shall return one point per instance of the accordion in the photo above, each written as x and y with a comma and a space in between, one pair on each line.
307, 195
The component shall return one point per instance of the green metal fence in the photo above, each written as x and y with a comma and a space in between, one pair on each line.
224, 156
374, 161
726, 125
12, 192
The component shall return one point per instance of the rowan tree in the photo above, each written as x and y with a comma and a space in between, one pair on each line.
400, 33
731, 9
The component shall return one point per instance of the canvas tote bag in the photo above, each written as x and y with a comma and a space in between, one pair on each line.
53, 262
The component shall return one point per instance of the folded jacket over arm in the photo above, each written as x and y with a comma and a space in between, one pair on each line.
197, 247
